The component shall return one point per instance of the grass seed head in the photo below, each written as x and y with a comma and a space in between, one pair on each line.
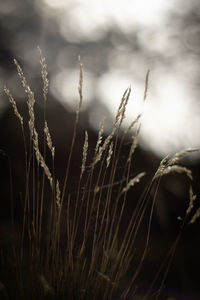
48, 139
85, 149
44, 74
40, 159
36, 146
102, 148
120, 116
14, 105
31, 99
176, 158
178, 169
132, 182
58, 199
146, 85
46, 170
191, 203
195, 216
110, 152
100, 133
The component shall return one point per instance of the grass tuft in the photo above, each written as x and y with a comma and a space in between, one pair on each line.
75, 245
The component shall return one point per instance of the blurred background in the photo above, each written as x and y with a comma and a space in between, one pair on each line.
118, 41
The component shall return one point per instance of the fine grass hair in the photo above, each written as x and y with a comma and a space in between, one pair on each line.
71, 244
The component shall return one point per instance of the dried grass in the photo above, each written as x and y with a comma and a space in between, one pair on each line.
14, 105
192, 199
30, 94
85, 149
171, 165
96, 258
146, 85
100, 133
110, 152
44, 74
58, 200
48, 139
102, 148
120, 116
132, 182
40, 158
195, 216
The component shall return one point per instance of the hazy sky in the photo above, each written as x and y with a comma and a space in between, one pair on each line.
171, 114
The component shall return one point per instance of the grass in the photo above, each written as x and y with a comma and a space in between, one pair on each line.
71, 245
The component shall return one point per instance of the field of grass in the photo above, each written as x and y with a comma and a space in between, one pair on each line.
74, 245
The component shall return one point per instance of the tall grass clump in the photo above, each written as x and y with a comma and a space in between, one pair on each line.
74, 245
